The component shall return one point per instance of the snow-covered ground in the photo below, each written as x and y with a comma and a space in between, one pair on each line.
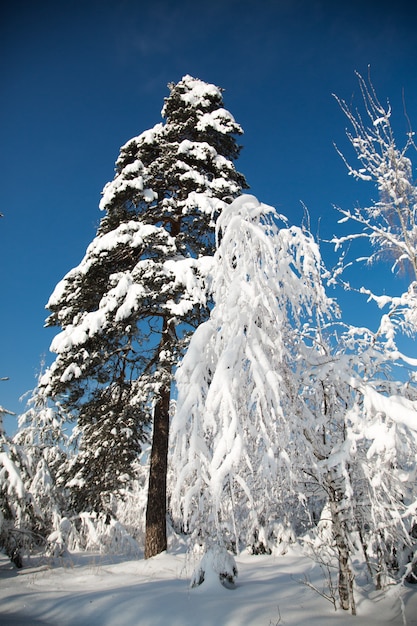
93, 590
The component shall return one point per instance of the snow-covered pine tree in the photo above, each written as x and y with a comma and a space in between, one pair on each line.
17, 519
43, 449
234, 434
125, 309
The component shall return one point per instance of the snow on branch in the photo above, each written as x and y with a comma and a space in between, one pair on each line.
229, 432
391, 222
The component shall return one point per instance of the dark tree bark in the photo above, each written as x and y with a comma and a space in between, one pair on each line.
156, 536
156, 509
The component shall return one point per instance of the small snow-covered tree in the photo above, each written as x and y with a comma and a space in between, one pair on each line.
125, 309
43, 450
233, 433
389, 224
360, 454
17, 517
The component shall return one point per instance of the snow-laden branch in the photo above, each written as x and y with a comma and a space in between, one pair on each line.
230, 430
391, 222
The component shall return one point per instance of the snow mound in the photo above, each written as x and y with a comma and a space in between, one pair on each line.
216, 567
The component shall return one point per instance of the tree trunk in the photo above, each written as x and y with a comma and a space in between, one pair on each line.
345, 578
156, 534
156, 510
337, 508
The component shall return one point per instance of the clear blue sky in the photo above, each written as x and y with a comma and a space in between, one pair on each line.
79, 78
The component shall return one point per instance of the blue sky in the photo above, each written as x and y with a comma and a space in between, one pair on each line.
78, 79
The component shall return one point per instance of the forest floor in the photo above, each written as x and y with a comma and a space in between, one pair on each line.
97, 590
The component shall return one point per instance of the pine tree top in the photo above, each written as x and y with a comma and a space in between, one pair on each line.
194, 93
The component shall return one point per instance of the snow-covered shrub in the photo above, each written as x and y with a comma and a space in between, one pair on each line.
130, 508
216, 566
20, 520
58, 540
106, 535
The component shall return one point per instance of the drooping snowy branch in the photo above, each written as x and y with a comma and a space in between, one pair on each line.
231, 433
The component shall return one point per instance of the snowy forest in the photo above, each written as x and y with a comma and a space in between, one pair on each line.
204, 382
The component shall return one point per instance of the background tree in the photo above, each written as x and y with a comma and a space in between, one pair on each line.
390, 226
17, 518
43, 450
357, 411
360, 455
125, 309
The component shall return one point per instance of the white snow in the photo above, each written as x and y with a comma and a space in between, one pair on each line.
10, 477
92, 590
72, 371
400, 410
198, 92
221, 120
148, 136
204, 203
197, 149
231, 387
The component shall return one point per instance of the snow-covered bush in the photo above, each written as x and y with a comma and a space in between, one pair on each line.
99, 534
216, 566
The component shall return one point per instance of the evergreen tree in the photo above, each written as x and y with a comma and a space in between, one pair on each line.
17, 517
125, 310
43, 448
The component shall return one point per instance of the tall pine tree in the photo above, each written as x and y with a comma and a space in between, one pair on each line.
125, 310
